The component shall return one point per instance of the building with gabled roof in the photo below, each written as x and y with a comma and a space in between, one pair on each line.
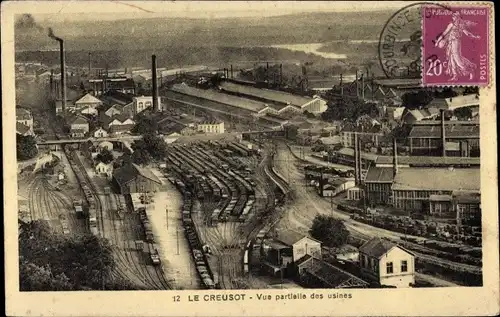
386, 263
378, 183
132, 178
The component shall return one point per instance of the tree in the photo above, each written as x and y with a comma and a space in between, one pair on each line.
464, 113
26, 147
51, 261
331, 231
105, 156
416, 99
145, 125
347, 108
471, 90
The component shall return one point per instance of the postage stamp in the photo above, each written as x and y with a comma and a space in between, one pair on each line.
455, 45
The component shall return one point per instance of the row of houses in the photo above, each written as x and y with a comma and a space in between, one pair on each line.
378, 263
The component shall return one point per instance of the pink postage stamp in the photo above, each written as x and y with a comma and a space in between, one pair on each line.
455, 45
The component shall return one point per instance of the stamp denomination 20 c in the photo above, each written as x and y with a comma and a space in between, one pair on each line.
455, 45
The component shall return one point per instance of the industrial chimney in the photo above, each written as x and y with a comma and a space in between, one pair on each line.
155, 83
90, 64
395, 160
231, 71
363, 86
281, 75
356, 167
51, 83
357, 84
360, 163
341, 86
63, 68
443, 136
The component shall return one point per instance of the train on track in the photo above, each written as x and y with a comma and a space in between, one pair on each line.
93, 206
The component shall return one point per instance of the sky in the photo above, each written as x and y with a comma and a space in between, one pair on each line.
114, 10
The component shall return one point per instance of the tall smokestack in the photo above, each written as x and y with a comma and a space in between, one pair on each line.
341, 86
231, 71
155, 83
363, 86
443, 133
356, 160
51, 83
357, 84
63, 74
90, 63
281, 74
395, 160
360, 163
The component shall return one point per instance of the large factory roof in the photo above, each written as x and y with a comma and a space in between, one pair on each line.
129, 172
379, 175
266, 94
239, 102
453, 131
429, 160
437, 179
397, 82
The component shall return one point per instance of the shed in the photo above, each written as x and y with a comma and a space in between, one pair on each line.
132, 178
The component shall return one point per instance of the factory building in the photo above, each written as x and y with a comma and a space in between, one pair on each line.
431, 190
211, 127
282, 101
141, 103
461, 138
132, 178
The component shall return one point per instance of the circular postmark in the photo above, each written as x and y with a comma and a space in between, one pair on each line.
400, 42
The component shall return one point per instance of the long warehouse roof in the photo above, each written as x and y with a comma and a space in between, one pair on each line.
436, 179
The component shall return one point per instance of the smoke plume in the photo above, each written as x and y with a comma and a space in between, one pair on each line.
27, 22
51, 35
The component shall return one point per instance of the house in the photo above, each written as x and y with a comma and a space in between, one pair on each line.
77, 133
143, 102
106, 145
412, 116
387, 264
288, 248
117, 124
331, 141
87, 102
468, 207
211, 127
366, 133
132, 178
115, 109
337, 186
104, 169
100, 133
78, 123
24, 117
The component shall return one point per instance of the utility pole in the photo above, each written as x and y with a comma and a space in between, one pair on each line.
177, 237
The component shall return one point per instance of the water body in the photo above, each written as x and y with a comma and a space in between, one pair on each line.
311, 48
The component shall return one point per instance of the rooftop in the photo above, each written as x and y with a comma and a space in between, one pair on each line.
290, 237
212, 95
23, 114
380, 175
364, 155
332, 276
429, 160
438, 179
130, 171
451, 131
271, 95
376, 247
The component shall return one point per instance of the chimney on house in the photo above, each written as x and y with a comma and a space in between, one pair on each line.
395, 158
155, 83
443, 134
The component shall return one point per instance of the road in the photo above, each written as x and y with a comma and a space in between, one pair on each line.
307, 205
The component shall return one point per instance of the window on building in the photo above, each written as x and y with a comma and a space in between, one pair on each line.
404, 266
389, 268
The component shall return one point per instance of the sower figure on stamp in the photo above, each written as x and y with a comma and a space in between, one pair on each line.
451, 41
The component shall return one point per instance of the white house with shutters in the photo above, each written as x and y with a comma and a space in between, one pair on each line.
387, 264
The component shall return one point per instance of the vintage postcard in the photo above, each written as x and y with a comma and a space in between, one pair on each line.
247, 158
